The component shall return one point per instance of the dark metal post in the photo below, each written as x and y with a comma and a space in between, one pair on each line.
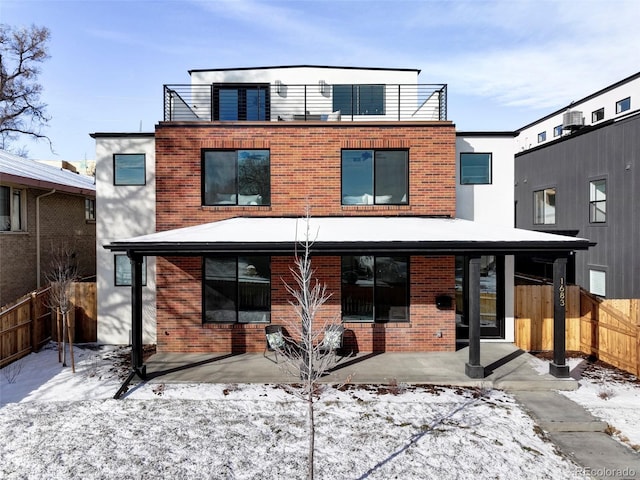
473, 369
558, 368
136, 311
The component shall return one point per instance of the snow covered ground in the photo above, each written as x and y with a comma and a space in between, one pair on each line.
55, 424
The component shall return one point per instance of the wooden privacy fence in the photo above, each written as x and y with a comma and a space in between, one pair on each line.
28, 324
608, 329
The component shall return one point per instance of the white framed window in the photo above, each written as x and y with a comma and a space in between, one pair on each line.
544, 206
598, 282
597, 115
623, 105
12, 208
598, 201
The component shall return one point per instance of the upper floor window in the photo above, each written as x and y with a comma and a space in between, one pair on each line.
375, 289
598, 201
598, 282
11, 209
237, 289
544, 206
236, 177
245, 101
597, 115
375, 177
358, 99
623, 105
475, 168
542, 136
557, 131
129, 169
122, 268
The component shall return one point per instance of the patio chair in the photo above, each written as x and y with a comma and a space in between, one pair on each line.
275, 341
332, 340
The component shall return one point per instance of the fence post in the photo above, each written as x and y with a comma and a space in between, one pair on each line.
33, 316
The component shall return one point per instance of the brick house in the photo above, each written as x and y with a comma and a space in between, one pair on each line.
242, 153
42, 207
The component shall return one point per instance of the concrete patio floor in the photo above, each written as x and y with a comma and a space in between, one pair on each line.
506, 368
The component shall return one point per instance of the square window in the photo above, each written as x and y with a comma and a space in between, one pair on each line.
623, 105
236, 177
542, 136
375, 177
597, 115
375, 289
544, 206
129, 169
475, 168
123, 271
237, 289
557, 131
598, 201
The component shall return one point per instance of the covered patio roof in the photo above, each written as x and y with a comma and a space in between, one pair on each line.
336, 235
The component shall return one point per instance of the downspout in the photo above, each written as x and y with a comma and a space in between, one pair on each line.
38, 234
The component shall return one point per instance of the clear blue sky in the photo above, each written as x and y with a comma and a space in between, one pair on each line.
506, 62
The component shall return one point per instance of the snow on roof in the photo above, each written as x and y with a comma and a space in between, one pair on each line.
325, 232
29, 172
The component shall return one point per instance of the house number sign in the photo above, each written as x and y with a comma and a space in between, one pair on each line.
561, 292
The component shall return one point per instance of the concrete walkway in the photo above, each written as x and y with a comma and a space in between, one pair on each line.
574, 430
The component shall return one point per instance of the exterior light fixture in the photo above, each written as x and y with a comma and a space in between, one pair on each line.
278, 87
322, 86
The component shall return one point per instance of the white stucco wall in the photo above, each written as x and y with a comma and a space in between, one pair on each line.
491, 204
123, 212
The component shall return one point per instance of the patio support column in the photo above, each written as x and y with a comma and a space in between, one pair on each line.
136, 313
473, 369
558, 368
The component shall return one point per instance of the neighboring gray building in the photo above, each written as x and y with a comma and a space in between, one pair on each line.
585, 182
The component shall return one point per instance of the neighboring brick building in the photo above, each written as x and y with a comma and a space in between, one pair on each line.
42, 208
232, 165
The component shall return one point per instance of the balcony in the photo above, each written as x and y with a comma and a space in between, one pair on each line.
319, 102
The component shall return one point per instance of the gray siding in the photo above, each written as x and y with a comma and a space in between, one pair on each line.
611, 152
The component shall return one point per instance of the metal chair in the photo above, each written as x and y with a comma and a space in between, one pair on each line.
332, 340
275, 341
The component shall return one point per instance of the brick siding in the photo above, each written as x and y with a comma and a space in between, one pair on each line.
305, 170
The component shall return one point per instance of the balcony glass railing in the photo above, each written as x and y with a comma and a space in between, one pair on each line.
321, 102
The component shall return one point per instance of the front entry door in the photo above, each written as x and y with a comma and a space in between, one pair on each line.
491, 297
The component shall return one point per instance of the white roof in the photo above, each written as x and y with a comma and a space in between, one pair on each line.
336, 233
22, 170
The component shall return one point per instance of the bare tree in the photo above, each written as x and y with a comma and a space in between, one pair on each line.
21, 111
308, 359
62, 273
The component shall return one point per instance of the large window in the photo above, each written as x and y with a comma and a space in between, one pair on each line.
11, 209
236, 177
375, 289
375, 177
129, 169
475, 168
237, 289
598, 201
241, 102
623, 105
544, 206
358, 99
123, 271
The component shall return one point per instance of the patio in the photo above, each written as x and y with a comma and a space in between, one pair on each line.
506, 367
